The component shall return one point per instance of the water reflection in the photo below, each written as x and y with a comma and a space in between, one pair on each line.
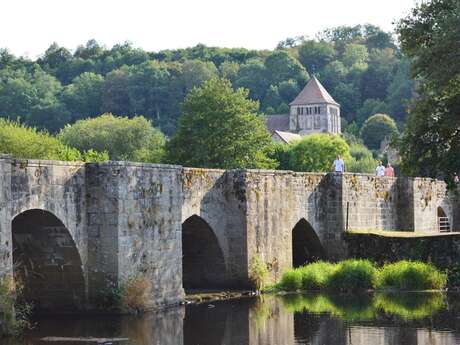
380, 319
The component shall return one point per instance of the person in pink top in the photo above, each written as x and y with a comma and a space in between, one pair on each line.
389, 171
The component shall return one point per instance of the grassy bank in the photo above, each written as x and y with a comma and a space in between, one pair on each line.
355, 275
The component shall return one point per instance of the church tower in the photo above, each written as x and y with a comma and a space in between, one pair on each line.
314, 111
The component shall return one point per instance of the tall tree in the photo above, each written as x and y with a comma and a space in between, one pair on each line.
219, 128
430, 37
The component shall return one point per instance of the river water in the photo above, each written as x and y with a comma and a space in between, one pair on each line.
380, 319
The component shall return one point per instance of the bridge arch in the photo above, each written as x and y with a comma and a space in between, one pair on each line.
203, 262
306, 245
47, 262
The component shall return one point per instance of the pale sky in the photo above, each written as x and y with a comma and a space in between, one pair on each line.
28, 27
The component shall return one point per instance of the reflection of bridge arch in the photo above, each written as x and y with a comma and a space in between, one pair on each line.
47, 261
203, 263
306, 245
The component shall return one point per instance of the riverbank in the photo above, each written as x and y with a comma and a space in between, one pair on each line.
209, 296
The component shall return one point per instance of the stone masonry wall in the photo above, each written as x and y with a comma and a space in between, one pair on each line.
372, 202
6, 241
218, 197
277, 200
139, 208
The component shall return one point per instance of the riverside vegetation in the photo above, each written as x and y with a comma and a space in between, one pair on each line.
355, 275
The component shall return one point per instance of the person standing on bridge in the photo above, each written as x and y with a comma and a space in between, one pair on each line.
339, 165
380, 170
389, 171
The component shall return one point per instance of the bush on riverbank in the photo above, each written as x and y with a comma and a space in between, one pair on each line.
410, 275
13, 316
132, 296
352, 275
355, 275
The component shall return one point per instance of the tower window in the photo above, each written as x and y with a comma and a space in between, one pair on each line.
298, 111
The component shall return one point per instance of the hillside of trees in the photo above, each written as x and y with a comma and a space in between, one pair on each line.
361, 66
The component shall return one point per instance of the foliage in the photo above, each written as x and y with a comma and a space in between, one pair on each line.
352, 275
62, 86
123, 138
132, 295
362, 160
219, 128
279, 152
410, 275
376, 129
316, 152
21, 141
429, 37
316, 276
258, 273
135, 296
14, 316
291, 280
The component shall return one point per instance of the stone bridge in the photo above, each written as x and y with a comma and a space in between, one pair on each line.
71, 232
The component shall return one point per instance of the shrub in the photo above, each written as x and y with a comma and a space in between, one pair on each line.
135, 295
123, 138
21, 141
316, 275
410, 275
352, 275
291, 280
131, 296
258, 273
14, 317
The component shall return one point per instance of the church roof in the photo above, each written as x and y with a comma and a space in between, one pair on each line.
277, 122
313, 92
287, 136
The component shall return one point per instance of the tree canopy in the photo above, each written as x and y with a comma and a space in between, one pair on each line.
62, 86
317, 152
25, 142
430, 37
220, 128
376, 129
123, 138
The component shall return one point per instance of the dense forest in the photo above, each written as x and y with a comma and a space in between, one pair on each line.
361, 66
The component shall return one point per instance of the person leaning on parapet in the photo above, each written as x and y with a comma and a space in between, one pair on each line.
389, 171
339, 165
380, 170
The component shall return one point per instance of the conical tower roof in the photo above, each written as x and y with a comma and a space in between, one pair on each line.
313, 92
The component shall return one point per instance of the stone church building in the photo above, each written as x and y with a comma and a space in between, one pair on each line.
312, 111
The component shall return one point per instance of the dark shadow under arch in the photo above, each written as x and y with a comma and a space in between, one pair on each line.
306, 246
203, 264
47, 262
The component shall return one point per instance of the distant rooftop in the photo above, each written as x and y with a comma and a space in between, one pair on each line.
277, 122
313, 92
287, 137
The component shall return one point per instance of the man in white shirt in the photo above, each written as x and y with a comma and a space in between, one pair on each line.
380, 170
339, 165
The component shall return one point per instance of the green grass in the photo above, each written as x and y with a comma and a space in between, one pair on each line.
352, 275
410, 275
359, 275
